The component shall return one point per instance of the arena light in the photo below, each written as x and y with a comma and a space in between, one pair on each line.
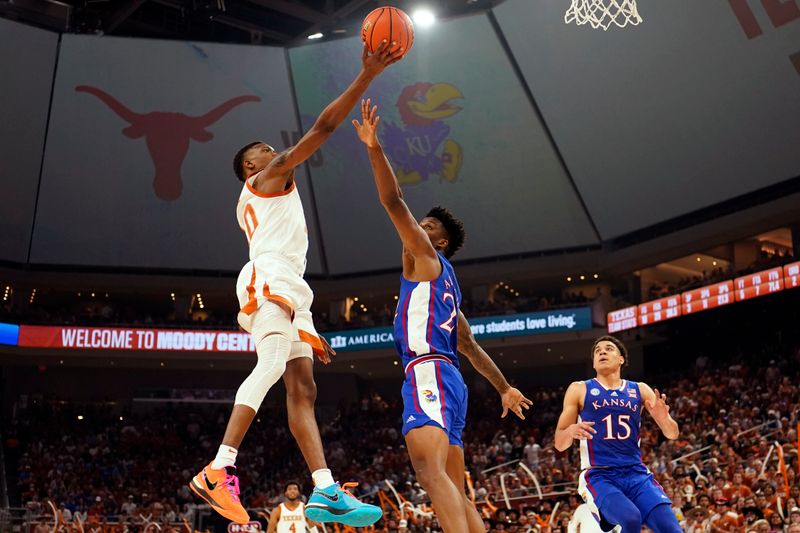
317, 35
423, 17
80, 417
583, 277
33, 296
596, 276
569, 278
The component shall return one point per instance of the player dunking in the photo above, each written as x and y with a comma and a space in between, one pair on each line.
429, 330
275, 306
288, 517
604, 414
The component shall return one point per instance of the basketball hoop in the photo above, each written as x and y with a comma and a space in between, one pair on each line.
603, 13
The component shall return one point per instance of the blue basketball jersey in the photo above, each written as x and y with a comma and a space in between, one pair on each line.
426, 321
616, 414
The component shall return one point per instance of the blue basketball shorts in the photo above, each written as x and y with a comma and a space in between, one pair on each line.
434, 394
602, 486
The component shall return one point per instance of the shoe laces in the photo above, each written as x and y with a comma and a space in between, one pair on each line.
349, 484
232, 484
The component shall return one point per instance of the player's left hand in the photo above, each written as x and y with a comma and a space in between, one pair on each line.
658, 406
329, 352
514, 401
367, 129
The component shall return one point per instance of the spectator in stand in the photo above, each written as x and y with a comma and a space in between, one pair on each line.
721, 408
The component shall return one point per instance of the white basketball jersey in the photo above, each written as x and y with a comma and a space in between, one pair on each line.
292, 521
274, 224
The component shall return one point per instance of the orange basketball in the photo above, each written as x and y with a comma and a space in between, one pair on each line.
391, 24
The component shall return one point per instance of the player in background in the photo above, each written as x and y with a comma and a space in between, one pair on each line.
275, 303
289, 517
604, 415
429, 331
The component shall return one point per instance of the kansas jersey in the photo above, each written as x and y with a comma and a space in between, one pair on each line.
274, 223
616, 414
426, 321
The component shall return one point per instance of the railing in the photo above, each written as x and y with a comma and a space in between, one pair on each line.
24, 520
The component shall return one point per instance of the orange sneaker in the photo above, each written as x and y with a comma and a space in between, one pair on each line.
220, 490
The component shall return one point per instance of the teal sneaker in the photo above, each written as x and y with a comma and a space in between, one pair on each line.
336, 504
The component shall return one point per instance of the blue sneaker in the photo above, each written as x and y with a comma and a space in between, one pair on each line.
336, 504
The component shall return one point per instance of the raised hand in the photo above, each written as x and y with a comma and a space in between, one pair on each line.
514, 401
658, 406
581, 430
367, 130
373, 64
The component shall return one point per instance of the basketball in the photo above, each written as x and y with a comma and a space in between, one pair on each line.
388, 23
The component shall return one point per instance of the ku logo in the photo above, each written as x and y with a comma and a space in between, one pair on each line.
339, 341
167, 135
429, 396
421, 146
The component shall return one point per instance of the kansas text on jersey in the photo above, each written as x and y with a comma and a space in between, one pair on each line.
616, 414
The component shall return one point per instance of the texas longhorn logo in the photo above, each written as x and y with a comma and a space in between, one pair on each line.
167, 135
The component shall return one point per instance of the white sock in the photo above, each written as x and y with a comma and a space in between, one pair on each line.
322, 478
226, 456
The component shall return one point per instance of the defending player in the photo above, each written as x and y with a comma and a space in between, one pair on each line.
604, 414
275, 304
429, 329
288, 517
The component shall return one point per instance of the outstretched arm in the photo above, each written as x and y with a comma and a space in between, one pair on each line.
656, 404
274, 518
414, 238
512, 399
569, 428
332, 116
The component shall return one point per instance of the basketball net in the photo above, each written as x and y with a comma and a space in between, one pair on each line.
603, 13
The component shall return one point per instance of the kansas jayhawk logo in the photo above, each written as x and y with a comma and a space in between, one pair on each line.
420, 145
429, 396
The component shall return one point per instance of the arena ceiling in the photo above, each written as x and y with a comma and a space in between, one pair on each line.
268, 22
